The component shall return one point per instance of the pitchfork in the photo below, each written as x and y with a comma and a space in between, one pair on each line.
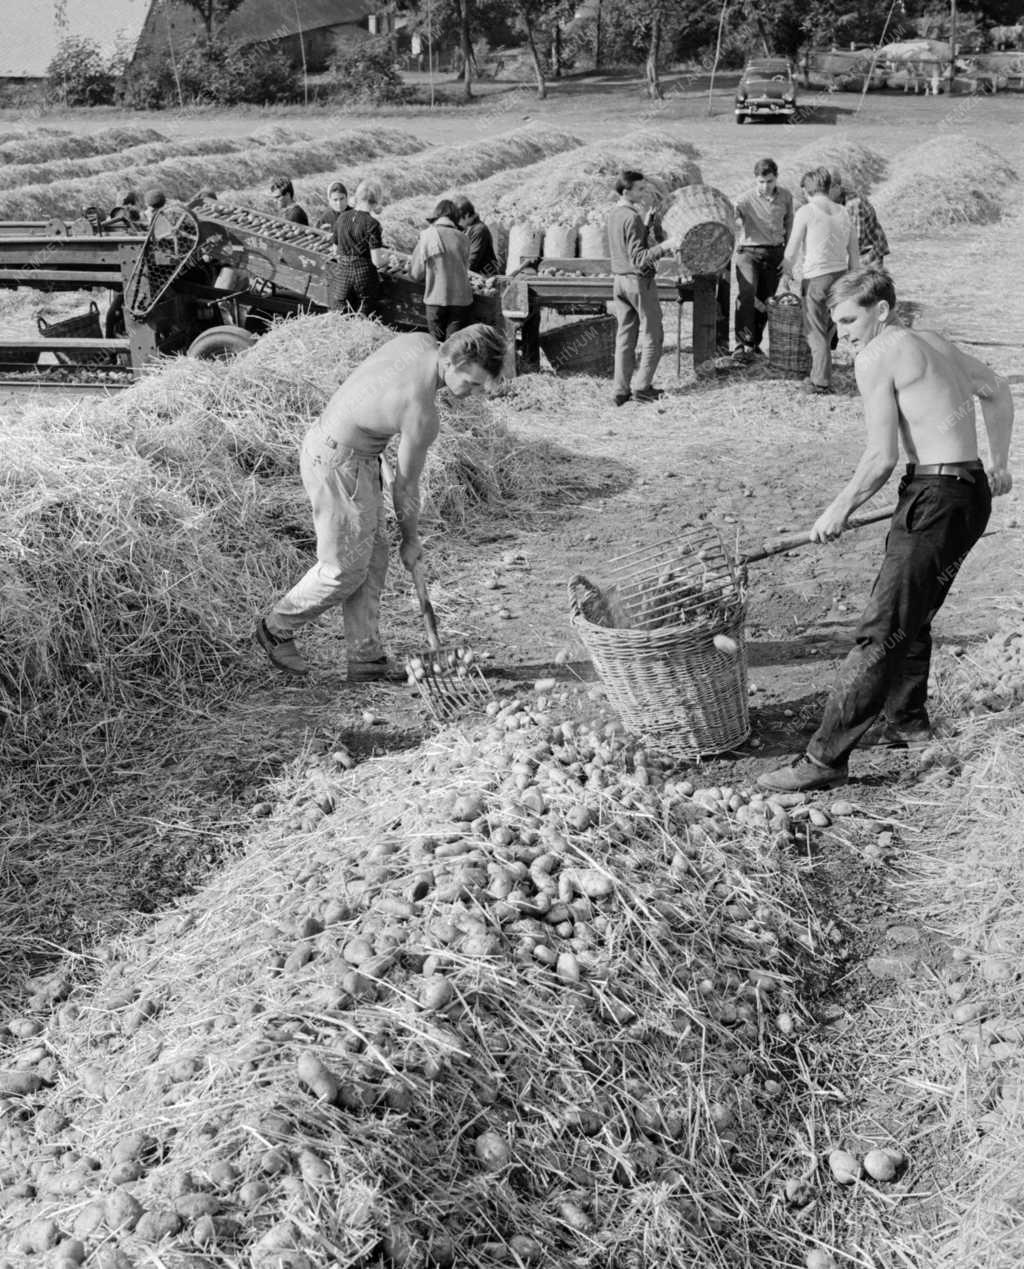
450, 682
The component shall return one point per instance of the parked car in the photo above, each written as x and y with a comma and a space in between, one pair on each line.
766, 89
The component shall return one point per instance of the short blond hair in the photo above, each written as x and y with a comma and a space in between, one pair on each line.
369, 192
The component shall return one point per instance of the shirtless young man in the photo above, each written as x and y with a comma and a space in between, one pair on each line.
917, 388
391, 394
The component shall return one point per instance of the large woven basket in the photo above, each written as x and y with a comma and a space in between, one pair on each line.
705, 220
788, 349
666, 677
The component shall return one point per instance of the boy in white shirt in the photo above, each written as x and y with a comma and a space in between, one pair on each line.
827, 237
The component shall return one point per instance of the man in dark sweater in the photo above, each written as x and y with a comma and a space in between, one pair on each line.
481, 246
634, 291
283, 193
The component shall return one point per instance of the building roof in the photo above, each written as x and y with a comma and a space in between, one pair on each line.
32, 31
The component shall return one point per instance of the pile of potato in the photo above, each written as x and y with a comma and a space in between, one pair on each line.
523, 996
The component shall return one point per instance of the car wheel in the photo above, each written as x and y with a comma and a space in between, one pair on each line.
219, 342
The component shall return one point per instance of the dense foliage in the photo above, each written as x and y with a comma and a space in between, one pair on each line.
213, 72
79, 74
366, 72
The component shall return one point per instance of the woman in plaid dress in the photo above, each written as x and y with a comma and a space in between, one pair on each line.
358, 240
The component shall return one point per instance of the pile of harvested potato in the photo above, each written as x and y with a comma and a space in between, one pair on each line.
522, 996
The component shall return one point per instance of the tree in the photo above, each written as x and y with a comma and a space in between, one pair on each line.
539, 20
213, 13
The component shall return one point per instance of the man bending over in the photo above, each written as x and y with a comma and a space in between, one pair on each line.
392, 394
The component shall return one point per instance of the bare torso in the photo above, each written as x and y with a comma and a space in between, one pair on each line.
934, 394
392, 388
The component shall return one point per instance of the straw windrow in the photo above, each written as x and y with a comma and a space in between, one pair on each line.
181, 177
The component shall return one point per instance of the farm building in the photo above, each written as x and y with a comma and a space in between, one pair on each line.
308, 29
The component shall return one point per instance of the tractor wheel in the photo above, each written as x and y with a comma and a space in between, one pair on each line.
220, 342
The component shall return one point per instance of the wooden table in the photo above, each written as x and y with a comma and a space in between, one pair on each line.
584, 286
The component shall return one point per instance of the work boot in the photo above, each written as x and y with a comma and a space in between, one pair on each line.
376, 671
621, 398
645, 395
281, 650
804, 775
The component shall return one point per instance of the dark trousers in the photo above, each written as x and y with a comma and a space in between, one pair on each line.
937, 521
445, 319
758, 270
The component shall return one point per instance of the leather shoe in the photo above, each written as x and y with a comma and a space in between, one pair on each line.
621, 398
646, 395
804, 775
281, 650
911, 736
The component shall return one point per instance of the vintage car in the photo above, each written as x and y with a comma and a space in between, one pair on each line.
766, 89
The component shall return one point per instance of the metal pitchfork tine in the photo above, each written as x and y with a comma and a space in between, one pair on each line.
450, 683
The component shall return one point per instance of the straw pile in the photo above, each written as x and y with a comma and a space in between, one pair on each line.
862, 168
950, 180
135, 156
181, 177
561, 190
451, 167
568, 991
41, 145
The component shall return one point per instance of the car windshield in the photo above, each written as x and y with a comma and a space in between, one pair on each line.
767, 68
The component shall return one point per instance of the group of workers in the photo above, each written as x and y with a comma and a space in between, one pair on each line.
454, 245
917, 388
836, 230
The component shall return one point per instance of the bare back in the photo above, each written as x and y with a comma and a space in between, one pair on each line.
934, 384
391, 392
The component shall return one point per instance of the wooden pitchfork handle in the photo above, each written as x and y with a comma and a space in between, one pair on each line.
804, 539
426, 607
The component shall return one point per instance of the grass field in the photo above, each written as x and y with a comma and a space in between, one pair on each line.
288, 977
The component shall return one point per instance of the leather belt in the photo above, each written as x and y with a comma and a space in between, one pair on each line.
960, 471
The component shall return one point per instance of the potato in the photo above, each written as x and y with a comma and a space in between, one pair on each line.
575, 1216
883, 1165
492, 1150
317, 1078
845, 1167
435, 994
153, 1226
819, 1259
122, 1211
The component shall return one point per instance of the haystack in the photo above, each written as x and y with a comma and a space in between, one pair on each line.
572, 189
950, 180
862, 168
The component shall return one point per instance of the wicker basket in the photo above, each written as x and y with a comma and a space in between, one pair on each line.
582, 348
788, 349
85, 326
705, 220
669, 682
